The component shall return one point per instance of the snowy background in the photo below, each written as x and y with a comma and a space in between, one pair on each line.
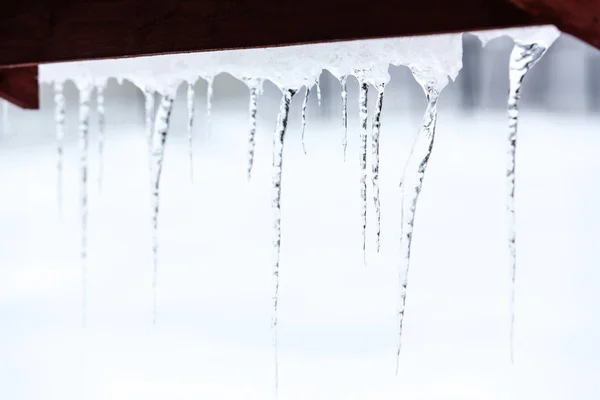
337, 330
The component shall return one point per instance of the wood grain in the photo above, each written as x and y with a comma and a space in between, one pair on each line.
41, 31
580, 18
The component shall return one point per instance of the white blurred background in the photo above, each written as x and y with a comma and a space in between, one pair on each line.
337, 329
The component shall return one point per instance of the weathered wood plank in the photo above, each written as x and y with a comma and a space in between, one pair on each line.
20, 86
580, 18
41, 31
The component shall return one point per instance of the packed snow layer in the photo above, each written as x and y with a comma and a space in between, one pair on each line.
432, 59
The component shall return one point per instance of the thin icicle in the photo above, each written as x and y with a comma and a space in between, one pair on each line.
159, 139
364, 116
278, 145
191, 94
209, 100
344, 82
376, 129
304, 105
101, 130
253, 110
59, 118
318, 84
522, 59
149, 99
412, 183
85, 94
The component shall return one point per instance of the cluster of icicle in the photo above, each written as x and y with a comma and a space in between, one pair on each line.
434, 62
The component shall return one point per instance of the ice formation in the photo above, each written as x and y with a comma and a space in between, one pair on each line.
434, 61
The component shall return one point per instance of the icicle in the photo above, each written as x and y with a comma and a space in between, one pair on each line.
101, 130
364, 116
253, 110
190, 125
159, 139
344, 82
412, 183
278, 142
522, 59
85, 94
376, 129
59, 118
209, 100
318, 84
304, 105
149, 115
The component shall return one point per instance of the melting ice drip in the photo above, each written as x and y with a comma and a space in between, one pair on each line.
344, 83
101, 130
191, 95
254, 87
304, 105
159, 139
59, 118
85, 94
376, 129
411, 186
522, 59
363, 116
149, 114
278, 145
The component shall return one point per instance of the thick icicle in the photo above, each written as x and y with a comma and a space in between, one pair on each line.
191, 94
159, 139
304, 105
364, 116
412, 183
278, 144
101, 130
209, 100
318, 84
253, 110
149, 99
522, 59
85, 94
344, 82
59, 118
376, 129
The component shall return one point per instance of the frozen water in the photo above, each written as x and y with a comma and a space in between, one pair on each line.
191, 94
304, 105
100, 109
278, 148
522, 59
376, 130
344, 83
209, 101
85, 94
59, 119
363, 99
254, 86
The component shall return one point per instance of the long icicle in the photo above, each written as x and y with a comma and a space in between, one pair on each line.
364, 116
59, 117
304, 105
522, 59
101, 130
191, 95
376, 129
159, 139
319, 97
252, 112
344, 82
278, 145
85, 94
209, 101
412, 183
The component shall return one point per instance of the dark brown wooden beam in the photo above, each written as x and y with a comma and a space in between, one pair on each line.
42, 31
20, 86
580, 18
